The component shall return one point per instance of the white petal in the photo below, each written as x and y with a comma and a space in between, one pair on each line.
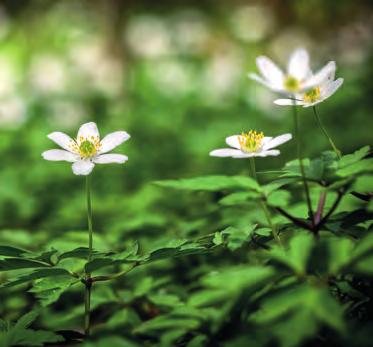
271, 153
298, 66
320, 77
270, 71
110, 158
233, 141
62, 140
288, 102
277, 141
60, 155
259, 79
88, 130
225, 152
113, 140
331, 88
83, 167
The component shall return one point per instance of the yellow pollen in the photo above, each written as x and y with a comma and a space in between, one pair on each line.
312, 95
250, 141
291, 84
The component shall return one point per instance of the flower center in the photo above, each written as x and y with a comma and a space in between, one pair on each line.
87, 149
291, 84
312, 95
251, 141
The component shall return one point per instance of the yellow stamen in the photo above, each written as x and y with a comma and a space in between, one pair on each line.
312, 95
250, 141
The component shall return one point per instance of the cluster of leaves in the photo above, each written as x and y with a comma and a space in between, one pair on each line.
233, 286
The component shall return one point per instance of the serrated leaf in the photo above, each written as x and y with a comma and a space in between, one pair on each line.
349, 159
365, 165
279, 198
42, 273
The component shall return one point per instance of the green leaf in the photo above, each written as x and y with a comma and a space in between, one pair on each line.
48, 290
20, 263
10, 251
349, 159
279, 198
236, 237
238, 198
298, 253
222, 286
212, 183
296, 313
340, 250
42, 273
364, 183
365, 165
20, 335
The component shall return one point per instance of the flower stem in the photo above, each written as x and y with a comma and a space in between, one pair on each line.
299, 153
88, 282
323, 129
263, 205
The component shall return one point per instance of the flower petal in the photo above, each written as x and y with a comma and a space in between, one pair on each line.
113, 140
60, 155
331, 88
298, 66
110, 158
288, 102
83, 167
270, 71
225, 152
233, 141
271, 153
277, 141
260, 80
88, 130
63, 140
321, 76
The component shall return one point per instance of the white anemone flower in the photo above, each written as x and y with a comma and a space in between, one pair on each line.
298, 77
315, 95
87, 149
251, 144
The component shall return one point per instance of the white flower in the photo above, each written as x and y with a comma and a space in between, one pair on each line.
251, 144
87, 149
298, 77
315, 95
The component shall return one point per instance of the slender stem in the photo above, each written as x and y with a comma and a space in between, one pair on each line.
293, 219
323, 129
88, 282
332, 209
299, 153
263, 205
320, 207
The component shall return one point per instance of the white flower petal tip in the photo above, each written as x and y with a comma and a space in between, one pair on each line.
288, 102
277, 141
110, 158
82, 167
87, 149
113, 140
59, 155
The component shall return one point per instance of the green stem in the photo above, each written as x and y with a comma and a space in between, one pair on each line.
263, 205
88, 282
299, 153
323, 129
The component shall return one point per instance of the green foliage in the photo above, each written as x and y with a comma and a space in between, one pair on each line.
19, 334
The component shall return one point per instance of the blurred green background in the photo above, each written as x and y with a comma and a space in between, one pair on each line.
174, 75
